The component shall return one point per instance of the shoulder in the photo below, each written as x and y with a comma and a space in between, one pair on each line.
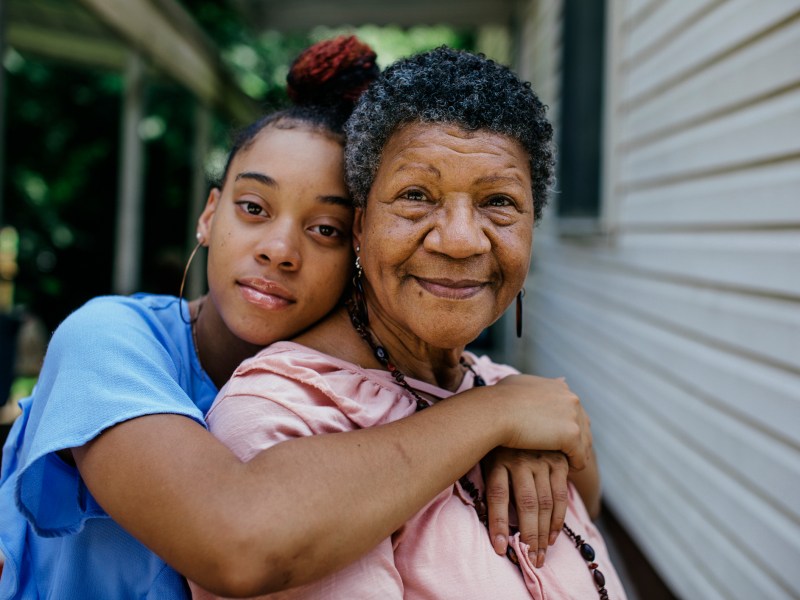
115, 311
122, 318
139, 342
491, 371
300, 379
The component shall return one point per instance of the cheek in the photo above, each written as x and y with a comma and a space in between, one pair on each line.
514, 255
387, 242
331, 276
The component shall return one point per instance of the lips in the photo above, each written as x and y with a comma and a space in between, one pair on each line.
452, 289
265, 293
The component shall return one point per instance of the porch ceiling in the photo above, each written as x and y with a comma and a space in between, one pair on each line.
100, 33
306, 14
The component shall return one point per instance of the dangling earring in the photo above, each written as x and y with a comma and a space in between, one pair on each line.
359, 302
200, 241
520, 296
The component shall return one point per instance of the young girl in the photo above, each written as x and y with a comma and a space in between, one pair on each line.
112, 487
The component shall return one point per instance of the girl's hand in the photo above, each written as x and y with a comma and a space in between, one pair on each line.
539, 482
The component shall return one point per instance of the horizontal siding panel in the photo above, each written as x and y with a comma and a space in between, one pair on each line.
661, 23
759, 262
738, 517
649, 519
771, 64
759, 327
762, 196
767, 131
677, 559
633, 9
770, 469
718, 32
723, 380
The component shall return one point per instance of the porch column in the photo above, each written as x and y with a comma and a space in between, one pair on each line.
130, 212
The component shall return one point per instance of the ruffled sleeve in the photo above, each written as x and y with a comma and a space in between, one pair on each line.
288, 391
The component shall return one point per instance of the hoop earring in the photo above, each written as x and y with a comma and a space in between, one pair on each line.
183, 279
520, 296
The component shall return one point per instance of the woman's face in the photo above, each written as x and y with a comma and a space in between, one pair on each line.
445, 239
279, 235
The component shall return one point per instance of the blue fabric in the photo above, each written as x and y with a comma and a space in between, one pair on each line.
114, 359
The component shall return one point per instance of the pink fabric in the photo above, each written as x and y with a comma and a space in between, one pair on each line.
288, 390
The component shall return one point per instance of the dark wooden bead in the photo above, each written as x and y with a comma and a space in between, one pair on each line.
599, 578
587, 552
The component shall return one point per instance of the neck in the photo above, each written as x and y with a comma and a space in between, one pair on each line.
218, 349
413, 356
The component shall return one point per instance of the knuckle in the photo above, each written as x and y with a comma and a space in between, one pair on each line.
543, 535
561, 496
545, 502
530, 538
528, 502
522, 457
496, 494
497, 522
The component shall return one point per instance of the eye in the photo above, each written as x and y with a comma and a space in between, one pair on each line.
251, 208
327, 230
500, 201
414, 195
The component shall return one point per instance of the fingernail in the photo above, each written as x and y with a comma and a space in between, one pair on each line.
553, 537
540, 558
500, 544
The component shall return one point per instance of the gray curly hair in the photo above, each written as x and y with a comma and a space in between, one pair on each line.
453, 87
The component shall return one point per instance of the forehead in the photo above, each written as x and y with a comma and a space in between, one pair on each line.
272, 145
430, 143
274, 139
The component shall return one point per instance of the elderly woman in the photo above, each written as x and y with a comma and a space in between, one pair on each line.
448, 160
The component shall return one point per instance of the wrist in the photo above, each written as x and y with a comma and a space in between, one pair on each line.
487, 412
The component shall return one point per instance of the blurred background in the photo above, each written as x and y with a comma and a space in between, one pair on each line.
665, 284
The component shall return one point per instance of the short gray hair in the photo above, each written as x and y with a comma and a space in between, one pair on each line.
453, 87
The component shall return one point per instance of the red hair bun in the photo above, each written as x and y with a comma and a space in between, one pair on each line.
332, 72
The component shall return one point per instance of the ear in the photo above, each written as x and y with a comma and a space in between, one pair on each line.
206, 219
358, 227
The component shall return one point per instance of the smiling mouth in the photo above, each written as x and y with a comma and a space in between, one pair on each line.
451, 289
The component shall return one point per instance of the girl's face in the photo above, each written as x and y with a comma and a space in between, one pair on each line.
278, 235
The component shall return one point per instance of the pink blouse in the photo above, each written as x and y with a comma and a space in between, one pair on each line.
288, 390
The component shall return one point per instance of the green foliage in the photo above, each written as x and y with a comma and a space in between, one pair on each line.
60, 181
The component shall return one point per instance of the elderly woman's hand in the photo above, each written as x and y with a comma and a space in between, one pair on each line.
539, 483
544, 414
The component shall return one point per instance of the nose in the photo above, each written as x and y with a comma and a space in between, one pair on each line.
458, 232
279, 246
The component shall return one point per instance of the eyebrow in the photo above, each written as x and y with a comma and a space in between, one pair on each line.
337, 200
421, 167
260, 177
498, 179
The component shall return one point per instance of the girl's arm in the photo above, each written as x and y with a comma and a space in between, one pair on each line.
307, 507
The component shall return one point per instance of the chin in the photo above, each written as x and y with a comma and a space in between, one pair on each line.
455, 336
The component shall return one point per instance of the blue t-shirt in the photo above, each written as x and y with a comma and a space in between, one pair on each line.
114, 359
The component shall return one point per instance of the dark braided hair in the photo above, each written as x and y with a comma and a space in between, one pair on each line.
324, 83
452, 87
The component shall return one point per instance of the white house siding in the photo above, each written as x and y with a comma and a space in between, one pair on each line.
679, 322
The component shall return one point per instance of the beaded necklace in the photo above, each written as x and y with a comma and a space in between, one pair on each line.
586, 551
